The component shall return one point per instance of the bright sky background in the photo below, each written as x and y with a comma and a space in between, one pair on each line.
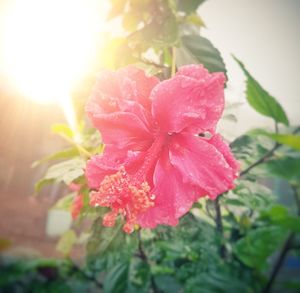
265, 35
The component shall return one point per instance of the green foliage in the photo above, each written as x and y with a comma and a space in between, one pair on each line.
261, 100
258, 245
189, 6
66, 172
196, 49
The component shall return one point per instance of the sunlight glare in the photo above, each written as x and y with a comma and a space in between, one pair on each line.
49, 44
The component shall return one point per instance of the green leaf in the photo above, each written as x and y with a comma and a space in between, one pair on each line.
285, 168
248, 194
195, 19
65, 202
189, 6
66, 242
260, 100
291, 140
64, 154
196, 49
63, 129
116, 280
279, 215
66, 172
258, 245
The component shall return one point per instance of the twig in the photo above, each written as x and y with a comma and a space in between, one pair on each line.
173, 68
267, 155
285, 249
261, 160
219, 225
149, 62
144, 257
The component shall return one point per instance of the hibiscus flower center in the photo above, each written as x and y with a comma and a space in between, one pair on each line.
129, 194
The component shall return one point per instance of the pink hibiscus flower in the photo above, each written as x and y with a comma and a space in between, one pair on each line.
155, 165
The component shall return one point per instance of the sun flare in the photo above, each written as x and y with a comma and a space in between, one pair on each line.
48, 45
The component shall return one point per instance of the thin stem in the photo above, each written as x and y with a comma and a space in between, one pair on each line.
149, 62
267, 155
144, 257
219, 225
279, 262
285, 248
261, 160
173, 69
81, 149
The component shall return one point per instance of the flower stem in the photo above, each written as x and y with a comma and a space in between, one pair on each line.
219, 226
173, 68
288, 244
144, 257
81, 149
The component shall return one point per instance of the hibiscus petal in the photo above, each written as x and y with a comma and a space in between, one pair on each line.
223, 147
173, 197
99, 166
136, 85
192, 100
202, 163
123, 130
114, 89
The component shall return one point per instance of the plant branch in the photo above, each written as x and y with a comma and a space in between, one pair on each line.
173, 68
288, 244
267, 155
219, 225
149, 62
279, 262
261, 160
144, 257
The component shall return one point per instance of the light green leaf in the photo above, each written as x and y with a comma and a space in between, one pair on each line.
65, 202
64, 154
66, 242
291, 140
66, 172
260, 100
63, 129
196, 49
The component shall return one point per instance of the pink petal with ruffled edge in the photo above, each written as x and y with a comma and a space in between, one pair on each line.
202, 164
184, 102
173, 197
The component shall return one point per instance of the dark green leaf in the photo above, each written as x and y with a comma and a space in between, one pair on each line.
286, 168
189, 6
261, 100
196, 49
258, 245
117, 279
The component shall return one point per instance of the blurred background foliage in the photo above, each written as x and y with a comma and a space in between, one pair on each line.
245, 241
